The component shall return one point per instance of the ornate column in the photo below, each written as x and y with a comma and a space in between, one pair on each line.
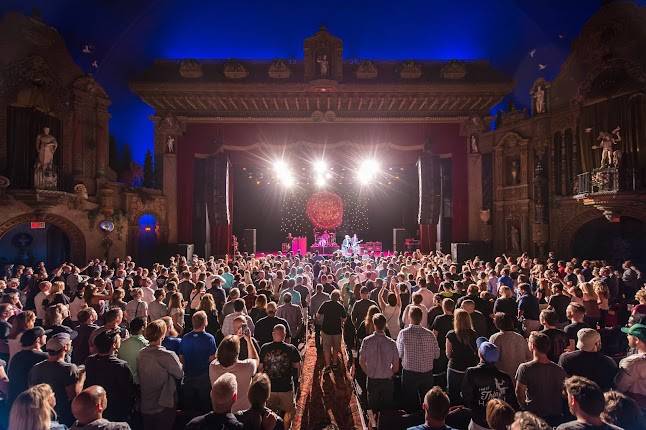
429, 199
168, 132
102, 137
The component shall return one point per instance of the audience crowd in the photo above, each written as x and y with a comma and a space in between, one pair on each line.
429, 343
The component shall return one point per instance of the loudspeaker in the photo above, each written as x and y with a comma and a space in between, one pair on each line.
248, 241
399, 234
170, 250
460, 252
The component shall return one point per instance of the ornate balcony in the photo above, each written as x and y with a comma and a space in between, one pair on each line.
611, 190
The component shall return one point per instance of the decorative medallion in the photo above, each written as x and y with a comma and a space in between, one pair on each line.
279, 70
410, 70
190, 69
366, 70
235, 70
453, 70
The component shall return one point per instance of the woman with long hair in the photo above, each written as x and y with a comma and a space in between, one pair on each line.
33, 409
391, 304
591, 304
171, 341
462, 352
207, 304
22, 322
260, 309
176, 311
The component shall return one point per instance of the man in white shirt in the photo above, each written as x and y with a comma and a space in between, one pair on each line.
148, 292
44, 287
631, 379
238, 310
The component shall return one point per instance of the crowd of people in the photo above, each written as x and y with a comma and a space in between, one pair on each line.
430, 343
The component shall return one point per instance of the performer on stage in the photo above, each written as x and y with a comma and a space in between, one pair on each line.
346, 246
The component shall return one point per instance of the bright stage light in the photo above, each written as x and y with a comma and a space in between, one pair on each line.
367, 171
280, 167
287, 181
320, 166
320, 182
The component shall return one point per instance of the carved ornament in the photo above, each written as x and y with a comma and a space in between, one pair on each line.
366, 70
410, 70
453, 70
235, 70
190, 69
279, 70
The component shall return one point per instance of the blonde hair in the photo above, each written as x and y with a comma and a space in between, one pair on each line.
57, 287
588, 289
207, 304
32, 409
640, 296
462, 323
170, 327
155, 331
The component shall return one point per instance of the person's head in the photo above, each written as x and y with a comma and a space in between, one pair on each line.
199, 320
278, 333
155, 331
499, 414
33, 409
137, 325
575, 312
487, 351
271, 309
23, 321
113, 317
503, 321
33, 338
108, 341
588, 340
175, 300
87, 316
436, 406
372, 310
160, 294
584, 397
54, 315
228, 350
259, 390
335, 296
58, 345
539, 343
89, 404
170, 327
238, 305
448, 306
379, 321
319, 288
462, 321
528, 421
622, 411
224, 393
549, 318
468, 305
636, 336
416, 315
287, 298
261, 301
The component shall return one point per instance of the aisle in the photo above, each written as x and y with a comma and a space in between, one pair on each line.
326, 398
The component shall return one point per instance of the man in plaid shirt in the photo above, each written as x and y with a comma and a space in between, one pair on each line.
417, 347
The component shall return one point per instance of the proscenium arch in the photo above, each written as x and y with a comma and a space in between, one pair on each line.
75, 236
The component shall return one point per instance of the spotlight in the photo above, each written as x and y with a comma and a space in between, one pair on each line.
287, 180
320, 166
280, 166
367, 171
320, 182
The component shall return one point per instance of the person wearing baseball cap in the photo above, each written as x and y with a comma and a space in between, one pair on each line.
631, 379
588, 361
486, 381
65, 378
32, 342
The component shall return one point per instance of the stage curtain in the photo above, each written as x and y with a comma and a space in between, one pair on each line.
218, 201
428, 170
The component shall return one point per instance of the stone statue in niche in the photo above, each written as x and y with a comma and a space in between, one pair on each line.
473, 144
610, 157
539, 100
515, 172
514, 239
170, 144
323, 65
45, 177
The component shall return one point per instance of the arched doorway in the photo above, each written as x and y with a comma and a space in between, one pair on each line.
29, 243
147, 239
615, 242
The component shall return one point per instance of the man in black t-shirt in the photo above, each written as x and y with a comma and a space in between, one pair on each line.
589, 362
277, 359
558, 339
559, 302
576, 314
264, 327
331, 316
32, 342
586, 402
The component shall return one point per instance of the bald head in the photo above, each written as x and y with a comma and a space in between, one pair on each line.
278, 333
89, 404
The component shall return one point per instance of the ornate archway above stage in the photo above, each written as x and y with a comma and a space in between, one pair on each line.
325, 210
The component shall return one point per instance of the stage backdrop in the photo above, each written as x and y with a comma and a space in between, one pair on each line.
370, 212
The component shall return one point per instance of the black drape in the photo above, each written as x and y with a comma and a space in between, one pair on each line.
23, 126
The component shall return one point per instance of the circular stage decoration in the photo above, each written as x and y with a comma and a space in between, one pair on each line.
325, 210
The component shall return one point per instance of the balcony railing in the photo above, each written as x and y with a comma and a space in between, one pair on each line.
606, 180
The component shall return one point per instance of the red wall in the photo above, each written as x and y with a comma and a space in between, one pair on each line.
204, 138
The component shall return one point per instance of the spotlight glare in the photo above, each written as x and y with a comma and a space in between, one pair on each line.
280, 166
288, 181
367, 171
320, 166
320, 182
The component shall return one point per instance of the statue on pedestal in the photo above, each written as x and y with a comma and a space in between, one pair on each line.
45, 177
610, 157
323, 64
539, 100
